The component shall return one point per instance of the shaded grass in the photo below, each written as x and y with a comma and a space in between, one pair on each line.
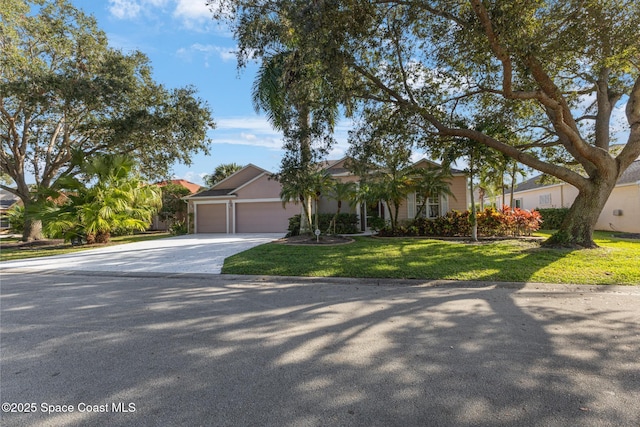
9, 253
615, 262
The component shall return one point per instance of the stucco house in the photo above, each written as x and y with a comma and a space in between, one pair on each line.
249, 202
620, 213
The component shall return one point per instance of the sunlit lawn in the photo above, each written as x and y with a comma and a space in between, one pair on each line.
616, 262
9, 254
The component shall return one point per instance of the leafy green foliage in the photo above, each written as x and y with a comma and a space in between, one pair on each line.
118, 202
66, 93
490, 222
553, 218
344, 223
537, 81
174, 209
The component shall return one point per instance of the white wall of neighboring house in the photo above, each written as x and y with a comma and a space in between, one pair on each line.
620, 213
622, 210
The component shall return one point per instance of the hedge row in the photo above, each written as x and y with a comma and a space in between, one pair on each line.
346, 223
553, 217
491, 222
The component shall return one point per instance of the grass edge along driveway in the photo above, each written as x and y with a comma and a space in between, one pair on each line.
616, 262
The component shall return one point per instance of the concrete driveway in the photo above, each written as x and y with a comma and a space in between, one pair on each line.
194, 253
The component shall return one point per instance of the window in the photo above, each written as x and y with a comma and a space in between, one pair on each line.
545, 199
517, 203
431, 208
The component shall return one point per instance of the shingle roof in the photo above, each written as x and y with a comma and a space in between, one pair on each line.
630, 175
215, 192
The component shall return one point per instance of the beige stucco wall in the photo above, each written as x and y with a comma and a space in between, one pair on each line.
240, 178
461, 193
261, 188
627, 199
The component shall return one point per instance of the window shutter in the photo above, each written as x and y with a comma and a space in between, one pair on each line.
411, 205
444, 205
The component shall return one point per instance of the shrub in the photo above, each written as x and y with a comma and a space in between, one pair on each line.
506, 222
178, 228
553, 217
294, 226
346, 223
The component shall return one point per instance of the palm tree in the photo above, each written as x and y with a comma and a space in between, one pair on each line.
295, 187
319, 182
340, 191
118, 201
287, 89
431, 183
392, 186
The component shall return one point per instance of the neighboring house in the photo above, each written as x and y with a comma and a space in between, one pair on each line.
160, 225
620, 213
249, 201
7, 200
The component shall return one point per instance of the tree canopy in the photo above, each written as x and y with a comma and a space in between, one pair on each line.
66, 93
550, 73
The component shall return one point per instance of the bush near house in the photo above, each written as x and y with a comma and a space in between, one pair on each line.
491, 222
346, 223
553, 217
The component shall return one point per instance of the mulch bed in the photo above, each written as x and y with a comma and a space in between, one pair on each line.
311, 240
35, 244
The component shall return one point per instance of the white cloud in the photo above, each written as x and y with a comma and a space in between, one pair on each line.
224, 53
192, 10
124, 9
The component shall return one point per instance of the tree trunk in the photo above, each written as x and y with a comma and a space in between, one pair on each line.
305, 220
473, 220
32, 230
577, 228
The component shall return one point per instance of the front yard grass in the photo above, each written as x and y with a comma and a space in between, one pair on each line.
9, 252
616, 262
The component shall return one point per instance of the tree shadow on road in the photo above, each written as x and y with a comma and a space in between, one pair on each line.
237, 351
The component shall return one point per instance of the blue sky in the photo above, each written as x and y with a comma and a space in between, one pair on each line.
186, 47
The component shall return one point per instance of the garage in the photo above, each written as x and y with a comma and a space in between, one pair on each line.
211, 218
263, 217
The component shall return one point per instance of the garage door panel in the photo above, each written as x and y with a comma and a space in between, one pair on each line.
212, 218
264, 217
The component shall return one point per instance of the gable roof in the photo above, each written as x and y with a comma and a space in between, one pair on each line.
228, 186
629, 176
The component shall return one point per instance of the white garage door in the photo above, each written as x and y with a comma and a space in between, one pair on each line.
264, 217
211, 218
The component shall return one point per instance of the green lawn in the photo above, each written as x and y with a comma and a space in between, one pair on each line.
616, 262
8, 253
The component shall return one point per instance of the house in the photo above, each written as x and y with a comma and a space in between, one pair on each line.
620, 213
249, 202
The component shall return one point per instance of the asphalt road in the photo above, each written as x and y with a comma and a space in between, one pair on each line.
211, 350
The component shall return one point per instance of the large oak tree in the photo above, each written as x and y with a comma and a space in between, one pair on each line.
552, 72
65, 93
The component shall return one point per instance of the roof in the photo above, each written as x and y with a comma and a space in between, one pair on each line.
233, 182
193, 188
629, 176
215, 192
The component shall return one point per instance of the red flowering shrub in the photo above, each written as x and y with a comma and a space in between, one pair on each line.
491, 222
